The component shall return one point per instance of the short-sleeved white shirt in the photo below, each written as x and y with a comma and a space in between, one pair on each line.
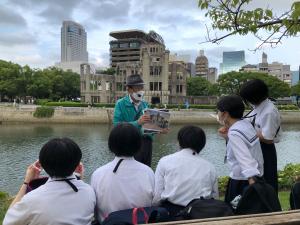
131, 186
184, 176
54, 203
267, 120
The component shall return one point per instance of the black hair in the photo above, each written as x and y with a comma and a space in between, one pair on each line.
59, 157
192, 137
124, 140
232, 104
254, 91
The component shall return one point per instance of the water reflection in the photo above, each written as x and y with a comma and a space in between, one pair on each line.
20, 145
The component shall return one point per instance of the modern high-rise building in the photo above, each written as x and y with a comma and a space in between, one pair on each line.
202, 65
295, 77
232, 61
134, 51
73, 42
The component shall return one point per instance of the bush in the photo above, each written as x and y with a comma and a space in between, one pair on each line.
287, 107
41, 101
67, 104
286, 178
4, 203
43, 112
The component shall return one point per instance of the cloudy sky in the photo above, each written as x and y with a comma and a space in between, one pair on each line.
30, 29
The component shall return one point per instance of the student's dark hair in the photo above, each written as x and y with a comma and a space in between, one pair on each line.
192, 137
232, 104
59, 157
124, 140
254, 91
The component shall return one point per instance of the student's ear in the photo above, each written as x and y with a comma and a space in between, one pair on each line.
80, 170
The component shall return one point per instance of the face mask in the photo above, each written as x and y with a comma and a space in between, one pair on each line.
138, 95
221, 122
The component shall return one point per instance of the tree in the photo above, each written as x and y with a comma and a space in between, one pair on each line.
230, 83
198, 86
233, 17
296, 89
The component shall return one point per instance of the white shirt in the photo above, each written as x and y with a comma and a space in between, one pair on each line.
54, 203
267, 120
182, 177
131, 186
244, 154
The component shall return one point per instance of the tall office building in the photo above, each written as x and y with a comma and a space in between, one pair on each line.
232, 61
73, 42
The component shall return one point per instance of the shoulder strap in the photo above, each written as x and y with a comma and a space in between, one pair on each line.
117, 166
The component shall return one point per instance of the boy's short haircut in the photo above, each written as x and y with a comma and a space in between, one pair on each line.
192, 137
124, 140
254, 91
59, 157
232, 104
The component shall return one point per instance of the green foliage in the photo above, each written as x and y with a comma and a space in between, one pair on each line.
4, 204
43, 112
230, 83
235, 17
109, 71
67, 104
198, 86
296, 89
53, 83
288, 176
42, 101
287, 107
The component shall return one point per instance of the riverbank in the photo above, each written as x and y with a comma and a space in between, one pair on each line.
81, 115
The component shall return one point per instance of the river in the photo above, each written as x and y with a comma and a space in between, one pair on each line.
20, 145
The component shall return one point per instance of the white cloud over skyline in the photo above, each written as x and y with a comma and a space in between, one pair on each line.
30, 29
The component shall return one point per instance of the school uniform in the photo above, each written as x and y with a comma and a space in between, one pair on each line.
266, 119
122, 184
54, 203
244, 157
128, 111
182, 177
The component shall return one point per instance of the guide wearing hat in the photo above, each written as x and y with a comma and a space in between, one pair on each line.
131, 109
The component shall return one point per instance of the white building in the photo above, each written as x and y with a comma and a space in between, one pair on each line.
73, 46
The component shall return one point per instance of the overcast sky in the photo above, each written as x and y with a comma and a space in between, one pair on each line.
30, 29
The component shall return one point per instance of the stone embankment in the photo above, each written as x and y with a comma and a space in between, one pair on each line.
24, 114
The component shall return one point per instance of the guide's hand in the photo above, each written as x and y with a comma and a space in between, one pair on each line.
33, 171
144, 119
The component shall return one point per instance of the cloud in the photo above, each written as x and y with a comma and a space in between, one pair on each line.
12, 39
10, 17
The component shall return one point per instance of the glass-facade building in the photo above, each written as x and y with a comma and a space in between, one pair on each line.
232, 61
73, 42
295, 77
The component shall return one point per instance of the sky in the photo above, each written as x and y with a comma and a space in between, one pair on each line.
30, 29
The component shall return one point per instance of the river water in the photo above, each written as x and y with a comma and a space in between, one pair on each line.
20, 145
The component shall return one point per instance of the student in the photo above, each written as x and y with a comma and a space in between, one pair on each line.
266, 121
131, 109
124, 182
63, 199
243, 152
185, 175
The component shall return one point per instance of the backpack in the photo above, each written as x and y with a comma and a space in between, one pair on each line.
205, 208
295, 196
137, 216
259, 197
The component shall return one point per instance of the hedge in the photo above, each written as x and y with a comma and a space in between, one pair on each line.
43, 112
4, 203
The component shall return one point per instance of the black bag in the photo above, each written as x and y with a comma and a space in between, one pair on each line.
259, 197
137, 216
295, 196
205, 208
